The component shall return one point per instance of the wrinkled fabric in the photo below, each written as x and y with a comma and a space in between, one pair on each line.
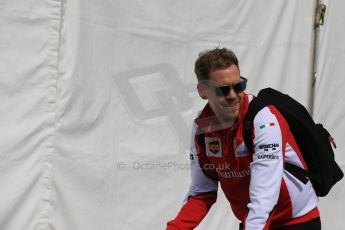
98, 97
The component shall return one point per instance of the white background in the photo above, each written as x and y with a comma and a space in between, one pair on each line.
98, 97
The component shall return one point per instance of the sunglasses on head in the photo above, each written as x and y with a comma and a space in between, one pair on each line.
224, 90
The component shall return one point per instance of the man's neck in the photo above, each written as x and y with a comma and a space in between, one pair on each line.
227, 124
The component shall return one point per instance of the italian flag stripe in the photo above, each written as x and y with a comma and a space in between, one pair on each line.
266, 125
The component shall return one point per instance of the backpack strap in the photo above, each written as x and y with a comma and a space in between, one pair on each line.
254, 107
256, 104
301, 174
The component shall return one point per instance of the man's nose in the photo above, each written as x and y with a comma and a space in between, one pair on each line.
231, 94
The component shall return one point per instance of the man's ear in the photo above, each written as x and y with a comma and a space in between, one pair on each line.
202, 91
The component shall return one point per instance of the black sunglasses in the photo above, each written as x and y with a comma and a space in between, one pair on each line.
224, 90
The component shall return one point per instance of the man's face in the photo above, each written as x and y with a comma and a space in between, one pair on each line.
226, 107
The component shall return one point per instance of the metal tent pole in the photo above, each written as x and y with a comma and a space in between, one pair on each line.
320, 10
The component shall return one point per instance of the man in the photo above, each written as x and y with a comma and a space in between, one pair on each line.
262, 195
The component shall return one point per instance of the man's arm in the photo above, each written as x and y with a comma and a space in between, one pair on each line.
193, 212
266, 169
201, 195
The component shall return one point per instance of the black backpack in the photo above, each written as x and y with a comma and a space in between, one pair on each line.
312, 139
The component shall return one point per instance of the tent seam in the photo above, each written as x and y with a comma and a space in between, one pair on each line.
54, 59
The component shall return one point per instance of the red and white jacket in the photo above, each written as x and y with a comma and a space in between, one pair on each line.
262, 195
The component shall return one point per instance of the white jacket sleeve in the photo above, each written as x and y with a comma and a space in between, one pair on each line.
266, 169
200, 183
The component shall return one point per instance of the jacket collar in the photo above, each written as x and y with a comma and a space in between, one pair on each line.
209, 123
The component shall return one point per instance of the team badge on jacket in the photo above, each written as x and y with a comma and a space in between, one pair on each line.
241, 149
213, 147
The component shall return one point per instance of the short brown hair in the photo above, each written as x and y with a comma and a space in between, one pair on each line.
210, 60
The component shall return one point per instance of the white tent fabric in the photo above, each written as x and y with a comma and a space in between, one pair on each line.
98, 98
29, 50
330, 103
